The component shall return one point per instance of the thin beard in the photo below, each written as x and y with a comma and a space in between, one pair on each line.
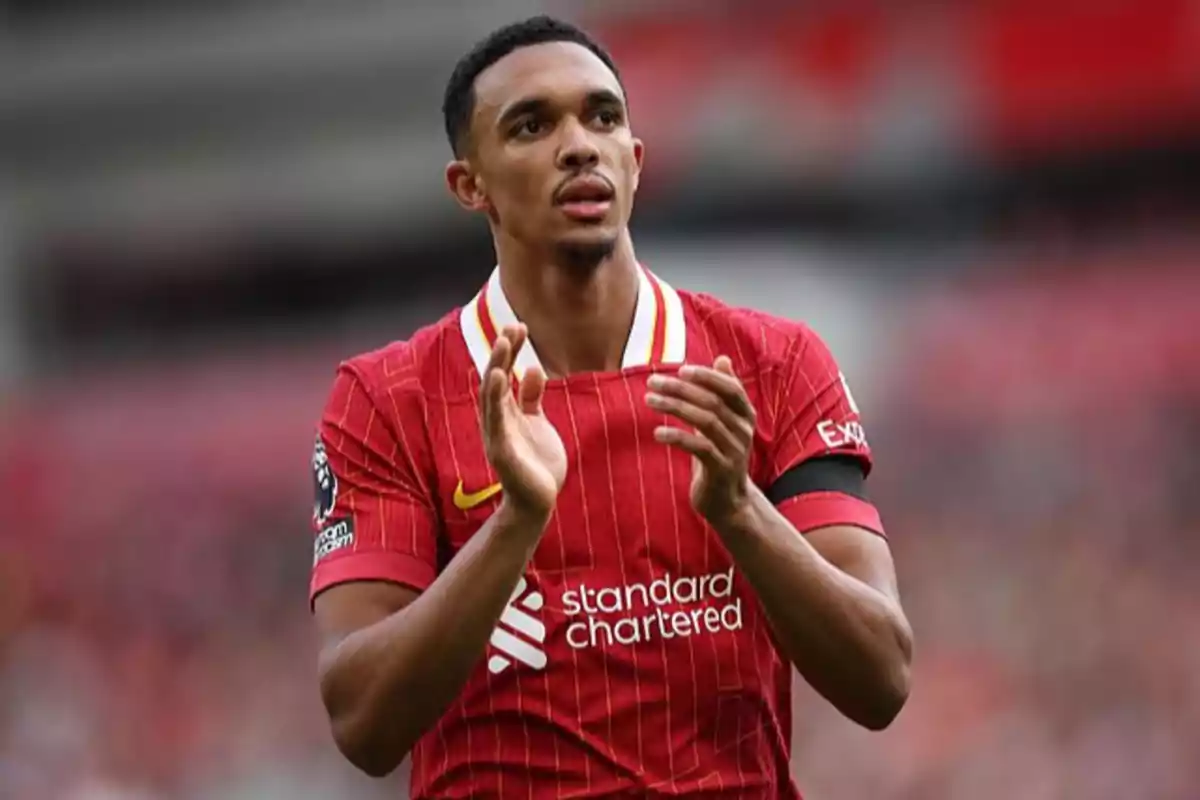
586, 257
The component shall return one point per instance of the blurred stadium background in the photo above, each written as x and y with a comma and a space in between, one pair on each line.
991, 211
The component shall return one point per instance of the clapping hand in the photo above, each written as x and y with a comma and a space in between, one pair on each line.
713, 402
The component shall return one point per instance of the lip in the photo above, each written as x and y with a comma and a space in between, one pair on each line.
589, 211
584, 189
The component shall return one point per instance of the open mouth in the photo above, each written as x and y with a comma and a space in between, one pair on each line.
586, 198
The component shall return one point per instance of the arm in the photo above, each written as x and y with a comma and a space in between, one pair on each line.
831, 595
398, 644
392, 660
831, 598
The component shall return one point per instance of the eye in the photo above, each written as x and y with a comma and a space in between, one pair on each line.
529, 127
608, 117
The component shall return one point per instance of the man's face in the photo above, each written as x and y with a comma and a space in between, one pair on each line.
552, 158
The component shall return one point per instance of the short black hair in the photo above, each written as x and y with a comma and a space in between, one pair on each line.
459, 101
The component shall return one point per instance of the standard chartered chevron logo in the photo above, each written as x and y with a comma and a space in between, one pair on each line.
519, 635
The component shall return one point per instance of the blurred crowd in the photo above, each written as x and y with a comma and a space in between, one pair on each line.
1035, 445
1038, 477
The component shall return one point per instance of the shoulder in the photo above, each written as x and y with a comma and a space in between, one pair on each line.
432, 363
758, 342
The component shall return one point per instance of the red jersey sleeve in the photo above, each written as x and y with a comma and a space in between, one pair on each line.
372, 515
815, 415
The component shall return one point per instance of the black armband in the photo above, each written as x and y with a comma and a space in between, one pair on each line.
843, 474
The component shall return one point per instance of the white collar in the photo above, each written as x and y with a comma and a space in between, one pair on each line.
658, 335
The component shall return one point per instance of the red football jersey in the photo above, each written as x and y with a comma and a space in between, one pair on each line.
633, 657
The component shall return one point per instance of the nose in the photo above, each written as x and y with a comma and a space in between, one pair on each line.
577, 150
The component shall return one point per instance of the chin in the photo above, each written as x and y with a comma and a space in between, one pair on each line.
588, 249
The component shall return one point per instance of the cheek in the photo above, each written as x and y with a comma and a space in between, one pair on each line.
519, 185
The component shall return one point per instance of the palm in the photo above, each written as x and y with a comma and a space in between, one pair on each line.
532, 451
522, 445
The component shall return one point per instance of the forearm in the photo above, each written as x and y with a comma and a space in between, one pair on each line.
387, 684
851, 642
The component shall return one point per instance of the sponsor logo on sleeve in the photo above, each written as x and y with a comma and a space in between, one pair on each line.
325, 485
849, 395
838, 435
848, 433
336, 536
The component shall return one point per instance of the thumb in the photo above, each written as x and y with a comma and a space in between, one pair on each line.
724, 365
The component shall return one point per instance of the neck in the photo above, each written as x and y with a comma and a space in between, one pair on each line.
578, 318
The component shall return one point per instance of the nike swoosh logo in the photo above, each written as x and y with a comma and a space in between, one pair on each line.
465, 502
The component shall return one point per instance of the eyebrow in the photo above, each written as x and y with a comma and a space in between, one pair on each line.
602, 97
534, 105
531, 105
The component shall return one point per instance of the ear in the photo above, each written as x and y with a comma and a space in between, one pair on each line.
639, 156
466, 186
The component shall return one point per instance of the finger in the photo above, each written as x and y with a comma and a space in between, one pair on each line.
508, 344
501, 356
702, 397
696, 444
724, 384
518, 335
705, 421
531, 390
496, 383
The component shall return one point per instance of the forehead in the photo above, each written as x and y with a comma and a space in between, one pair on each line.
555, 71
